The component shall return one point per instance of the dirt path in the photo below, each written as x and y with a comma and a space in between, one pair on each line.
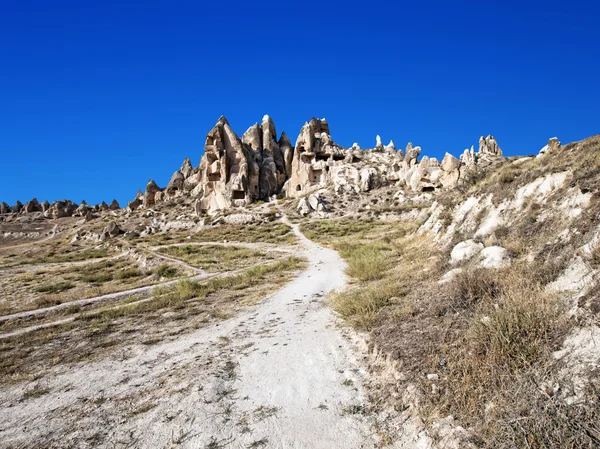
279, 376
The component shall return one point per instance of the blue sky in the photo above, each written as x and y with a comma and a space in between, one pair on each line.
95, 99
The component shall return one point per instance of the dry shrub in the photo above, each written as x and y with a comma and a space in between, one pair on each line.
549, 423
504, 349
469, 287
166, 271
593, 255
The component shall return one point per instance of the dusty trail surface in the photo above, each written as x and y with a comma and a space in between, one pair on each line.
280, 375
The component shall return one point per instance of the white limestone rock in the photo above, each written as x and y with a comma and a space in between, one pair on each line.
465, 251
495, 257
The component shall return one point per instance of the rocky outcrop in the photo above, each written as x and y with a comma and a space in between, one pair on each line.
314, 154
136, 203
465, 251
31, 207
229, 175
152, 194
489, 146
467, 159
312, 203
60, 209
552, 146
262, 142
233, 172
450, 171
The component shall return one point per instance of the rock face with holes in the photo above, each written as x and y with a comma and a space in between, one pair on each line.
234, 171
228, 174
314, 154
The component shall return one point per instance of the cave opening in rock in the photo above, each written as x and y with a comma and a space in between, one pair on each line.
428, 189
316, 175
298, 188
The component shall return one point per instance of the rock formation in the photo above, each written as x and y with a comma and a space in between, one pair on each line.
489, 146
60, 209
552, 146
234, 172
152, 194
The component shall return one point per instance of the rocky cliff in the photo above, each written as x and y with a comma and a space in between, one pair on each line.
234, 171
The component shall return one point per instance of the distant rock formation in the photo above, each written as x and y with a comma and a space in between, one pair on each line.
58, 209
234, 171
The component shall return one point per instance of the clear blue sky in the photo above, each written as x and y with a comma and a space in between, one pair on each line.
98, 97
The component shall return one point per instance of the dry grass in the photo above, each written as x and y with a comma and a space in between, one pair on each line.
53, 252
49, 287
183, 307
381, 262
268, 232
393, 208
489, 335
216, 258
329, 231
494, 364
366, 262
593, 256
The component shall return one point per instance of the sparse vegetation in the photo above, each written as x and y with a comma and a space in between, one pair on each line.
266, 232
57, 287
323, 230
190, 305
35, 392
384, 258
215, 258
487, 335
166, 271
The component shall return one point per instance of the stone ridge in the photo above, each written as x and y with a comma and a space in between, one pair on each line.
58, 209
235, 172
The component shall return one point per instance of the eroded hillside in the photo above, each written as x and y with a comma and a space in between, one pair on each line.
473, 286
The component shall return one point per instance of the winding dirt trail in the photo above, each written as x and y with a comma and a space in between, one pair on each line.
281, 375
